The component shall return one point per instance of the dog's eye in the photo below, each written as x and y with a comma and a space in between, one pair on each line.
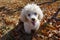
28, 14
35, 13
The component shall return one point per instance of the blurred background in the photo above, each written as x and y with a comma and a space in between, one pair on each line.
11, 28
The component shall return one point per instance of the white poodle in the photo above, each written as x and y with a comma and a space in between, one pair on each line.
31, 15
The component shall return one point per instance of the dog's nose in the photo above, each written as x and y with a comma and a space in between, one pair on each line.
33, 19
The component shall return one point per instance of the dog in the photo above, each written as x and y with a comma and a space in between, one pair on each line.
31, 15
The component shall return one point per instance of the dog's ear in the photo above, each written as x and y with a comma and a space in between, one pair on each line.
40, 15
23, 17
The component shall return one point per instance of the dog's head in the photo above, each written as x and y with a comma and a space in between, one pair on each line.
32, 13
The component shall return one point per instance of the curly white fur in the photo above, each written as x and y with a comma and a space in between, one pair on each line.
29, 12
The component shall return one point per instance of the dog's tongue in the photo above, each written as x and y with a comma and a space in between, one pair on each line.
33, 23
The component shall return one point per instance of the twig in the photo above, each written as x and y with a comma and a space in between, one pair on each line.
54, 16
47, 2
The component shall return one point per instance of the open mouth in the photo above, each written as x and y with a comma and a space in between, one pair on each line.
33, 22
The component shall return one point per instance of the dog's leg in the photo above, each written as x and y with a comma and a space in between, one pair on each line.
26, 28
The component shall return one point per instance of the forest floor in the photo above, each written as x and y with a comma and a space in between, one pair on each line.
11, 28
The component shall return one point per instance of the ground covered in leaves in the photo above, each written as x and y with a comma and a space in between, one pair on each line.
11, 28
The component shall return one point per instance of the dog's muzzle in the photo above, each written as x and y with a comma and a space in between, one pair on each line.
33, 21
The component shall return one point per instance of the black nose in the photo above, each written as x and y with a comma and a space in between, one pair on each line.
33, 19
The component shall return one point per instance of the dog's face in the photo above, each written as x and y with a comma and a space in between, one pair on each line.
31, 13
32, 16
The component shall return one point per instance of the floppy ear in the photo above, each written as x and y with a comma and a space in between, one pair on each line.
40, 15
23, 16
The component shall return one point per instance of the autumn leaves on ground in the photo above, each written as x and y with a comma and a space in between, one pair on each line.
10, 26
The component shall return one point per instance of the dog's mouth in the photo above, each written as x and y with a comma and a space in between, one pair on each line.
33, 22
